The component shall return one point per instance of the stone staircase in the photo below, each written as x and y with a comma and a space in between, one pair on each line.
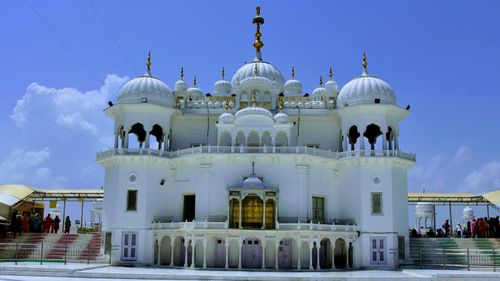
53, 247
453, 251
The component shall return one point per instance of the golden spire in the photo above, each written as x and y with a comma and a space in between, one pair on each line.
293, 72
194, 82
365, 64
182, 73
330, 74
255, 70
321, 80
254, 98
281, 103
258, 20
227, 104
223, 73
148, 63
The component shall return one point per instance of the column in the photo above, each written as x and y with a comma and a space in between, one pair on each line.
264, 213
186, 244
451, 220
146, 141
226, 243
311, 255
277, 246
172, 244
116, 140
318, 248
264, 253
345, 143
298, 253
361, 140
347, 255
239, 253
193, 246
159, 255
126, 141
333, 254
63, 219
81, 214
384, 141
396, 143
205, 252
165, 142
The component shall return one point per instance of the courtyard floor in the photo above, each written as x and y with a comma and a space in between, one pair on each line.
78, 271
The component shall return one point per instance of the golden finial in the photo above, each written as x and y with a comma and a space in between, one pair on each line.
293, 72
227, 104
223, 73
365, 64
330, 74
148, 63
194, 81
258, 20
281, 103
254, 98
321, 80
182, 73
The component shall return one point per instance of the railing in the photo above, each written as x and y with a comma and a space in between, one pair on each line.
47, 252
257, 150
279, 226
443, 257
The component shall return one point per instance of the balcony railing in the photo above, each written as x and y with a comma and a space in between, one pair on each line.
256, 150
279, 226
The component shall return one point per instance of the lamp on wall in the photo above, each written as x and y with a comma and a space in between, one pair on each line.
162, 182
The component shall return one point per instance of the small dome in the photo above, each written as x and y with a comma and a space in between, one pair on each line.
195, 93
424, 207
222, 88
318, 93
467, 212
226, 118
281, 118
331, 87
293, 88
264, 69
181, 86
364, 90
146, 87
253, 110
252, 182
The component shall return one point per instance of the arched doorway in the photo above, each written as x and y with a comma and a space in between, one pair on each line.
266, 139
251, 252
281, 139
182, 253
340, 253
253, 139
179, 251
315, 256
252, 212
372, 133
325, 254
240, 139
165, 251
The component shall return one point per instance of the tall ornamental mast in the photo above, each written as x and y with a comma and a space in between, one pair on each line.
258, 44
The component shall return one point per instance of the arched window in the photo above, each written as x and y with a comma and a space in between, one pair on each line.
281, 139
156, 135
372, 133
234, 215
270, 213
138, 130
225, 139
240, 138
266, 139
353, 136
253, 139
252, 212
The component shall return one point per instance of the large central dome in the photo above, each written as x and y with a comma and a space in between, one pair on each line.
258, 68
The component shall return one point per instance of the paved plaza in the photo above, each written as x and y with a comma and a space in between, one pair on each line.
73, 272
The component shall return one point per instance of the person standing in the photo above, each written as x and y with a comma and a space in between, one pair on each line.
47, 223
67, 225
458, 231
55, 224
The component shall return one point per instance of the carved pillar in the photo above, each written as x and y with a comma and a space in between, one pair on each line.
226, 244
193, 246
159, 248
298, 253
239, 253
264, 253
186, 244
172, 244
311, 246
277, 246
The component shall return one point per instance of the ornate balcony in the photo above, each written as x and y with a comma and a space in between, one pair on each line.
255, 150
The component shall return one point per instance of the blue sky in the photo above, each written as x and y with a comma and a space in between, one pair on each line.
439, 57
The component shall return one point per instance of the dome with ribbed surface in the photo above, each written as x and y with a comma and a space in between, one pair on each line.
264, 69
254, 110
148, 89
331, 87
226, 118
281, 118
252, 182
318, 93
365, 89
195, 93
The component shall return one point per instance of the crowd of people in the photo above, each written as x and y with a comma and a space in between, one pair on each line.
477, 228
35, 223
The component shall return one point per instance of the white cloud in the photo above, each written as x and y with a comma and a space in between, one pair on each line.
487, 178
461, 156
76, 122
29, 167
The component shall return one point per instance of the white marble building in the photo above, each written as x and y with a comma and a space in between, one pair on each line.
258, 174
